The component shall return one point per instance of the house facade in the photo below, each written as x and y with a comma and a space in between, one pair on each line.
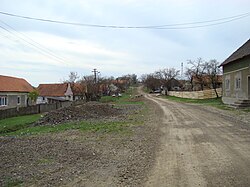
79, 91
14, 92
51, 93
206, 82
236, 76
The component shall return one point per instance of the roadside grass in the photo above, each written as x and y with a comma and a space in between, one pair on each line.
215, 102
19, 126
45, 161
17, 123
10, 182
83, 126
146, 90
125, 99
246, 110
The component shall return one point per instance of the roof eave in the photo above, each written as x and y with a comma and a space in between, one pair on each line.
231, 61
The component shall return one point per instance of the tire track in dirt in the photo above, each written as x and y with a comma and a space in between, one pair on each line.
200, 148
176, 164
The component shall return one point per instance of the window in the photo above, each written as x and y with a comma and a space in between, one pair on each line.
3, 101
237, 83
18, 100
227, 85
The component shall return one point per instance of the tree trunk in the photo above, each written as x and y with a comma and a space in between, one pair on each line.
214, 86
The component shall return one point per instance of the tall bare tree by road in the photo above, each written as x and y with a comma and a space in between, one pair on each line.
198, 69
213, 72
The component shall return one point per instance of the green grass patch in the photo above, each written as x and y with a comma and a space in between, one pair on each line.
126, 98
45, 161
246, 110
215, 102
17, 123
146, 90
83, 126
9, 182
19, 126
108, 99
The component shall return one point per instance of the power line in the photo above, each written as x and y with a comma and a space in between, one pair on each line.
187, 25
200, 26
38, 45
42, 50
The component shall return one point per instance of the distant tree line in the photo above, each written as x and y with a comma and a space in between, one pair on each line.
92, 88
198, 72
160, 78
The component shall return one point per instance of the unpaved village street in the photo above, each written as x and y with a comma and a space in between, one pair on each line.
157, 143
200, 147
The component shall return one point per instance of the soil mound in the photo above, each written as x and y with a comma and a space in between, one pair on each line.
86, 111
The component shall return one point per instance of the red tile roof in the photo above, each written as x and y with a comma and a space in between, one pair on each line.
243, 51
14, 84
78, 89
52, 90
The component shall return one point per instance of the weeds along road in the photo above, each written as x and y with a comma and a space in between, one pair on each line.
200, 147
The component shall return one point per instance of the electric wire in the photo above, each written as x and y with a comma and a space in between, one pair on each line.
39, 49
38, 45
163, 26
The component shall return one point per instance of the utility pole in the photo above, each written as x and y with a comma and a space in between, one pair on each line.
182, 71
95, 74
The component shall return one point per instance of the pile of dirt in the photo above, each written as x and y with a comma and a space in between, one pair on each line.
87, 111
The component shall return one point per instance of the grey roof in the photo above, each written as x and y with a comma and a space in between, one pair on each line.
242, 52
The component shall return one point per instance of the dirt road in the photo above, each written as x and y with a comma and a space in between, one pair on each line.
200, 147
163, 144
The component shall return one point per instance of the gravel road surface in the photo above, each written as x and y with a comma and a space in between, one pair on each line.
200, 146
165, 144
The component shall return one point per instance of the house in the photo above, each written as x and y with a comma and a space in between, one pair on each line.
206, 82
14, 92
79, 91
51, 93
173, 85
236, 76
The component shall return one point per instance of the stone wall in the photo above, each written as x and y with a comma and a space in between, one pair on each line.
205, 94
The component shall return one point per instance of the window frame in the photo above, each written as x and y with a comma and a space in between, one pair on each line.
18, 100
238, 83
4, 100
227, 84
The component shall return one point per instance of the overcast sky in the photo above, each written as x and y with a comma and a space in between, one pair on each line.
44, 52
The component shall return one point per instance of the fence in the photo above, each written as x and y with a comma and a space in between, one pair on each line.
205, 94
35, 109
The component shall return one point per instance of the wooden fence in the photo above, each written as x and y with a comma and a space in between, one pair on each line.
35, 109
205, 94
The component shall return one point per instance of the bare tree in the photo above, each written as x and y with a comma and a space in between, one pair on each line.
190, 75
166, 75
151, 81
92, 88
73, 77
213, 72
162, 77
170, 73
198, 69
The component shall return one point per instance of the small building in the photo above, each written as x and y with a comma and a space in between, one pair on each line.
51, 93
14, 92
173, 85
236, 76
206, 82
79, 91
